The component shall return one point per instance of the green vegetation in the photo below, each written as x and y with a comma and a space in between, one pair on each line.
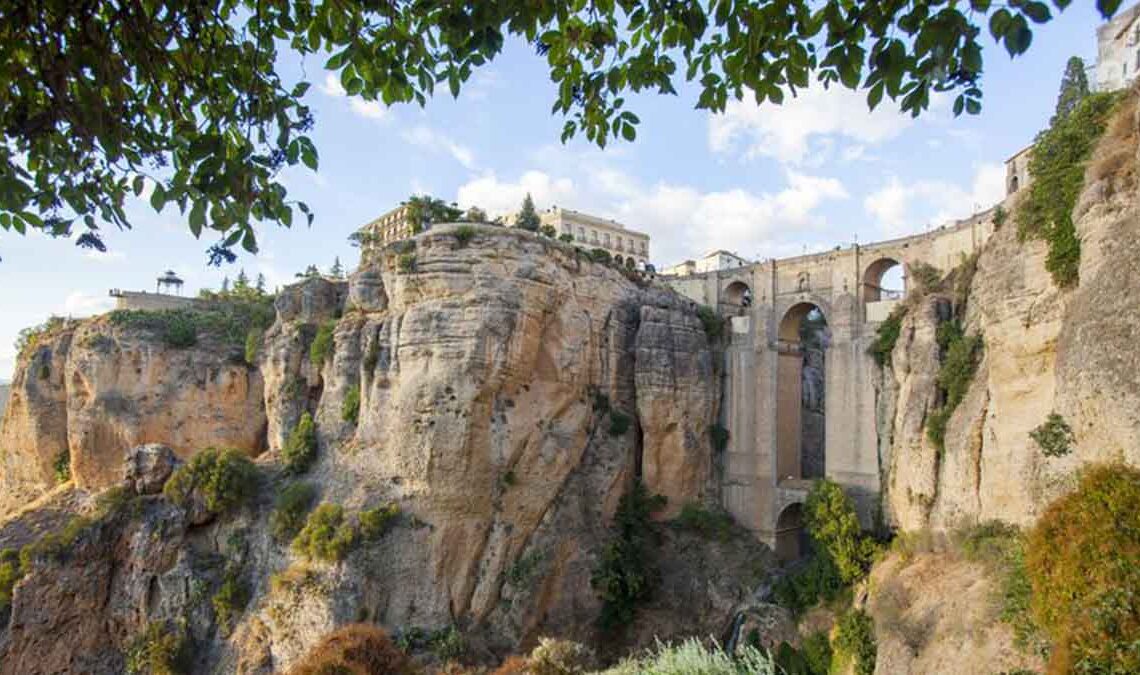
566, 237
350, 407
834, 526
10, 572
224, 480
601, 255
231, 599
719, 437
1074, 88
327, 535
528, 218
558, 657
619, 423
524, 568
855, 640
29, 338
323, 343
1058, 167
886, 335
475, 215
625, 577
375, 522
159, 650
464, 234
447, 644
927, 276
713, 323
252, 346
227, 316
1000, 216
300, 449
290, 509
961, 355
353, 649
1082, 562
708, 523
1054, 436
813, 659
601, 402
424, 210
406, 263
62, 466
818, 580
548, 231
694, 656
372, 357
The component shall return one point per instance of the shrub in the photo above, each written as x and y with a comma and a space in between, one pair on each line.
855, 639
1082, 563
228, 318
1058, 167
561, 657
290, 509
962, 353
600, 255
713, 323
693, 656
224, 479
62, 466
355, 649
708, 523
300, 448
523, 570
928, 277
350, 407
719, 437
566, 237
326, 535
447, 644
29, 338
601, 402
816, 649
252, 346
548, 231
406, 263
322, 345
1054, 436
372, 357
834, 525
886, 335
10, 573
231, 599
817, 580
159, 650
624, 577
999, 217
619, 423
375, 523
464, 234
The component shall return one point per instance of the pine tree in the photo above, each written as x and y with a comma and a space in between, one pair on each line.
226, 284
310, 272
528, 218
1074, 87
337, 270
260, 286
242, 281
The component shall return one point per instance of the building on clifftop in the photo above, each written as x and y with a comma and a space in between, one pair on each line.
589, 231
710, 262
1117, 51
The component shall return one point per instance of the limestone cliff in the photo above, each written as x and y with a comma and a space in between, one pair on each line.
509, 392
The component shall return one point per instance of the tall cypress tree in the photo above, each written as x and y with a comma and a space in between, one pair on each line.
528, 218
1074, 87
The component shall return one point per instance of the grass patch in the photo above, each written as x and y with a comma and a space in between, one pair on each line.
355, 648
1057, 166
161, 649
376, 522
406, 263
350, 407
464, 234
300, 449
231, 599
693, 657
323, 343
225, 479
290, 509
327, 535
225, 317
1054, 436
62, 466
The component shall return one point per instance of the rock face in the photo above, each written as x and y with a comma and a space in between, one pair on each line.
97, 388
1046, 350
509, 392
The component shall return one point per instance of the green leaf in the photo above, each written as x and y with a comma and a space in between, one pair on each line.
875, 95
158, 197
139, 184
1038, 11
629, 132
198, 217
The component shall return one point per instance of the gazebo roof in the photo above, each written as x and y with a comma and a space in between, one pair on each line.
169, 277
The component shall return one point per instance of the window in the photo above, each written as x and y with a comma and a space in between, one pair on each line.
606, 238
594, 236
581, 234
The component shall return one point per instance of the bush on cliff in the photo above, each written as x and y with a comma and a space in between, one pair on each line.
355, 649
961, 355
300, 448
159, 650
1082, 561
886, 335
10, 572
322, 346
694, 656
327, 534
290, 508
223, 479
350, 407
834, 525
1054, 436
624, 577
375, 522
855, 640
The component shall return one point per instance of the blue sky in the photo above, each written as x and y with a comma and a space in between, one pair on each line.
762, 181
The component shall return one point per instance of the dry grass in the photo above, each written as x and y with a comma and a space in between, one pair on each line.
355, 649
1115, 154
515, 665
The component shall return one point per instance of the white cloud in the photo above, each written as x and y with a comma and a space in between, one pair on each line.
430, 139
367, 109
905, 207
105, 258
804, 128
82, 303
498, 197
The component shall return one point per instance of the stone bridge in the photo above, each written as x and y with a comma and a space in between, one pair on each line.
767, 473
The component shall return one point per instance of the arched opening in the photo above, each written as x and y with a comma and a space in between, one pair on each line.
737, 296
884, 280
1013, 185
618, 259
792, 540
800, 393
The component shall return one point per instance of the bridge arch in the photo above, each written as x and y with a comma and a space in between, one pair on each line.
737, 295
883, 279
791, 535
800, 393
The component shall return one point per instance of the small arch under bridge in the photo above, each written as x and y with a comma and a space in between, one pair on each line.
799, 400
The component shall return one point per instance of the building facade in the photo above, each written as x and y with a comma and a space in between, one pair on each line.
710, 262
392, 226
1017, 170
1117, 51
593, 232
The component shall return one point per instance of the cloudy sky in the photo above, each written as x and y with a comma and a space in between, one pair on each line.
762, 181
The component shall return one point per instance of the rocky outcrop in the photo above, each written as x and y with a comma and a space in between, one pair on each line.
95, 388
509, 392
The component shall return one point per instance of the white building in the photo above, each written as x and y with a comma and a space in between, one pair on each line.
710, 262
1117, 51
628, 247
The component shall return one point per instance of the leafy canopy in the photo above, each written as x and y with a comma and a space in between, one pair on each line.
183, 98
